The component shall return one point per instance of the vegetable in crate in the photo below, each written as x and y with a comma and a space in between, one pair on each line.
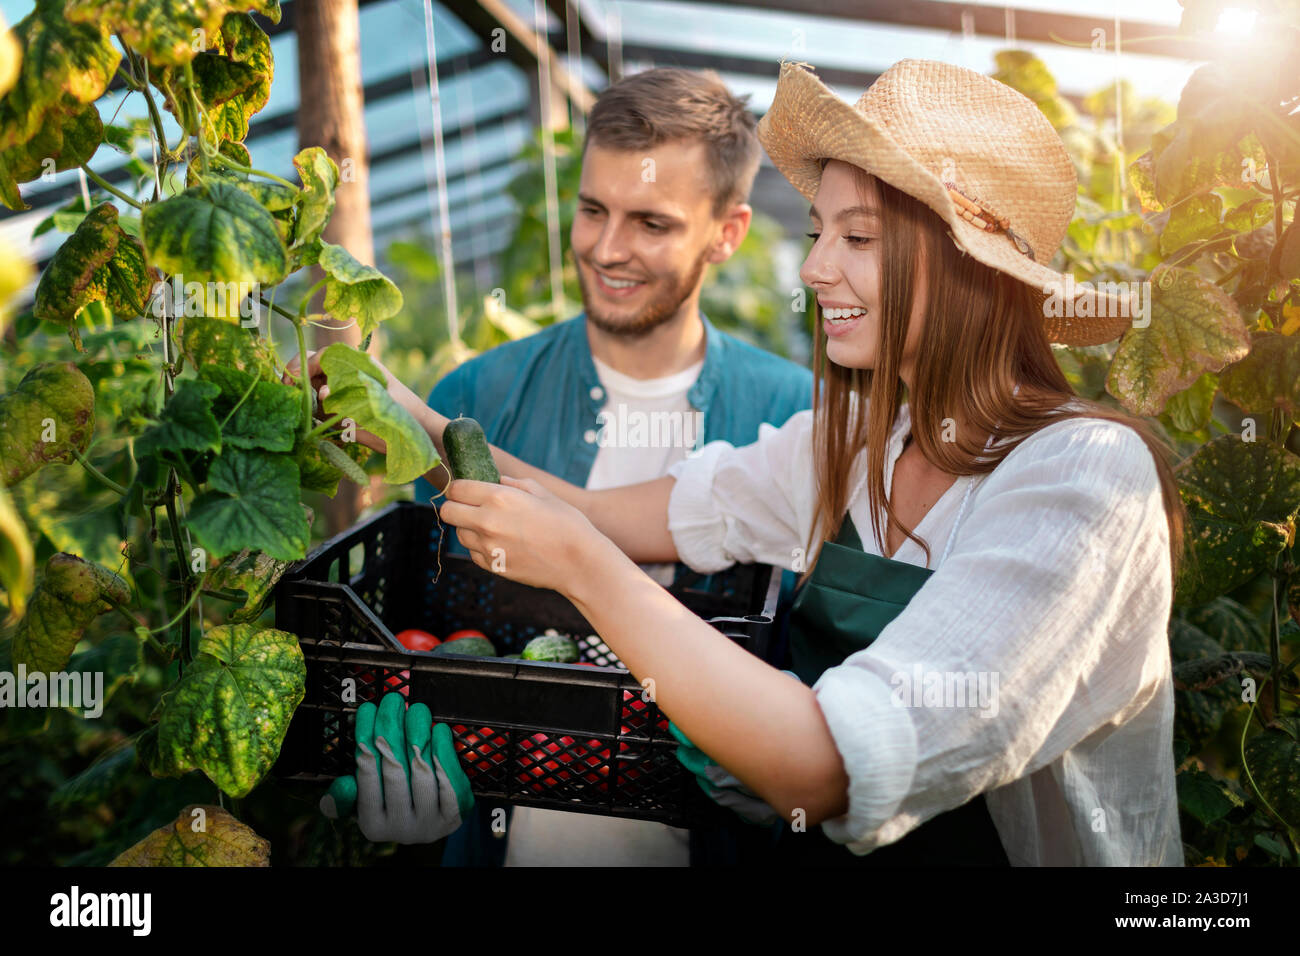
552, 646
414, 639
468, 455
472, 646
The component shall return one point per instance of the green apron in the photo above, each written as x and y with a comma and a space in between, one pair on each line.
849, 599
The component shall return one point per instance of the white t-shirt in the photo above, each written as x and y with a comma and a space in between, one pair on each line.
1057, 585
648, 425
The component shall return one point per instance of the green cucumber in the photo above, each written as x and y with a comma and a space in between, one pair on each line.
468, 455
473, 646
552, 647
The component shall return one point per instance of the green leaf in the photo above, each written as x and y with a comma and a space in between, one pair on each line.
354, 290
116, 657
206, 341
1027, 74
221, 841
1267, 378
253, 572
1189, 410
70, 595
1232, 624
1242, 499
1193, 219
359, 390
1288, 263
97, 782
163, 30
130, 280
186, 423
252, 503
268, 418
1204, 797
319, 178
49, 413
228, 714
1273, 757
215, 233
62, 62
1194, 328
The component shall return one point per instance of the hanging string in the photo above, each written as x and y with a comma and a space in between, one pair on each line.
572, 24
473, 175
444, 217
1010, 18
548, 161
968, 37
614, 37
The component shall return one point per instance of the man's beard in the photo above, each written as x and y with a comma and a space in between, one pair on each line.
660, 310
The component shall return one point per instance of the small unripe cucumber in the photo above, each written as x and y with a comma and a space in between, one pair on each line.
468, 455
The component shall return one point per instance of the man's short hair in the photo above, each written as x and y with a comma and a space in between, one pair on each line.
669, 104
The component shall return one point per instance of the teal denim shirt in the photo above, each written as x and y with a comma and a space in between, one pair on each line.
538, 399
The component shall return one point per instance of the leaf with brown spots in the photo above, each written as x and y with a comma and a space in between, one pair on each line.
1194, 328
228, 715
49, 413
1242, 498
211, 837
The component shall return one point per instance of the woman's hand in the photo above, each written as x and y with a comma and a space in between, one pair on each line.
399, 392
521, 531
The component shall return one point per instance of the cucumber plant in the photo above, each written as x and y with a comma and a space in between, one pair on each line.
167, 395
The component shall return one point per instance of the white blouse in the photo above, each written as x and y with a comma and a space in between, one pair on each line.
1048, 616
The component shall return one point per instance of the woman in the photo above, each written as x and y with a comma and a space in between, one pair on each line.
1011, 702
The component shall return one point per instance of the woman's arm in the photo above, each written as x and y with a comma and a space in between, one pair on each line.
634, 517
759, 723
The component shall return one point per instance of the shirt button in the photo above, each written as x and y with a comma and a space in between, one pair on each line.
597, 392
589, 436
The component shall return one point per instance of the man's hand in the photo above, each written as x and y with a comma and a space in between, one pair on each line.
409, 786
399, 392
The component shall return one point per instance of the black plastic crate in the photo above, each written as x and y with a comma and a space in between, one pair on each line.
562, 736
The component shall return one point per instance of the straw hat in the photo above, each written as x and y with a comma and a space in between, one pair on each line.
971, 148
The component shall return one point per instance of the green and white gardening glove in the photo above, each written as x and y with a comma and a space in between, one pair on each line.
723, 788
409, 786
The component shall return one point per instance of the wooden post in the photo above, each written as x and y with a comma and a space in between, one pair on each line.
331, 114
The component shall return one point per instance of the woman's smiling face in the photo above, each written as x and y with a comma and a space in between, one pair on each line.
843, 269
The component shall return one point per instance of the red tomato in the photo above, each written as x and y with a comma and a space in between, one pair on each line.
414, 640
457, 635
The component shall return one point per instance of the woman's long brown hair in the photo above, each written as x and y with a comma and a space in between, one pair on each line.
983, 333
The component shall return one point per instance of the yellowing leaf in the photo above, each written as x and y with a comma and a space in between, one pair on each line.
48, 414
17, 562
1194, 328
209, 837
71, 594
228, 714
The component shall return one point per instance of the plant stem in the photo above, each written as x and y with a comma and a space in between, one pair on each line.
279, 310
320, 430
187, 582
182, 613
306, 300
242, 398
198, 117
304, 378
227, 161
104, 184
136, 625
96, 473
224, 595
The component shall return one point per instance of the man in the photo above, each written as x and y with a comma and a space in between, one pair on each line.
668, 163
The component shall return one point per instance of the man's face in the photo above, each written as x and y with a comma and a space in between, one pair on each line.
642, 234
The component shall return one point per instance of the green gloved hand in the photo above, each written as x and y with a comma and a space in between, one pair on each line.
409, 786
723, 788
